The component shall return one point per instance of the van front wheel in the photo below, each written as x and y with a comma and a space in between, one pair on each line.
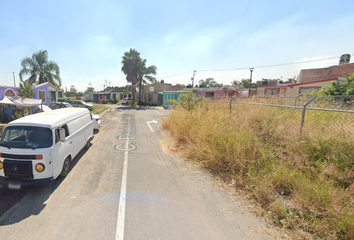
65, 169
87, 145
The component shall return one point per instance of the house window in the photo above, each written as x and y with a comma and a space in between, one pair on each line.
42, 96
129, 95
121, 96
308, 89
100, 96
60, 95
114, 96
272, 91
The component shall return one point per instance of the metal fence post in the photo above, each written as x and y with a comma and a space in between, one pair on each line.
296, 99
231, 102
303, 114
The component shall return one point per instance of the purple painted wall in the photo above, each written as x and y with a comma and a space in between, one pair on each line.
3, 89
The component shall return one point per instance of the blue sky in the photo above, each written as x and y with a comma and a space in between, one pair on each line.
87, 39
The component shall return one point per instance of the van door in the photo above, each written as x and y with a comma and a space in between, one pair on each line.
60, 152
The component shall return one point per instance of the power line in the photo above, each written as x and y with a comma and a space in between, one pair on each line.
243, 68
267, 66
177, 74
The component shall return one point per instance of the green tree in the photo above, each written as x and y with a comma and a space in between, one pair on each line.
40, 70
130, 62
209, 82
339, 88
90, 89
245, 83
73, 89
145, 74
236, 83
25, 90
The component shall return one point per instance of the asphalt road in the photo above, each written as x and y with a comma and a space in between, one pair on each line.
126, 187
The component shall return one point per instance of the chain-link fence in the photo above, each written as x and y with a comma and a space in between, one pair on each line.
315, 117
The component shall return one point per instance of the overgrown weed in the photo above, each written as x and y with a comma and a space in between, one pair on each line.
306, 185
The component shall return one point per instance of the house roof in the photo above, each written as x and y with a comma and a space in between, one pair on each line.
101, 93
299, 84
46, 83
309, 75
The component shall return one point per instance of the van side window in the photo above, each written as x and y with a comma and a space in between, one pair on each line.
66, 130
56, 136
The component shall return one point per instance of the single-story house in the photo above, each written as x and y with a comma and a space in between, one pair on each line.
216, 93
153, 93
88, 96
294, 89
170, 95
336, 71
101, 97
47, 92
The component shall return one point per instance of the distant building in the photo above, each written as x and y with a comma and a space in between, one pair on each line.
338, 71
153, 94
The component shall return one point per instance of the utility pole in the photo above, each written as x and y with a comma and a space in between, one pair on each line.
13, 73
193, 78
249, 89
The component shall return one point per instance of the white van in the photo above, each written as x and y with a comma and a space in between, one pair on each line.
39, 147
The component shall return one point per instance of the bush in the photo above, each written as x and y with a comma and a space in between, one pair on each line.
63, 99
187, 101
173, 103
113, 101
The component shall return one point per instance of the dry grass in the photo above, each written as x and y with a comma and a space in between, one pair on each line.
306, 185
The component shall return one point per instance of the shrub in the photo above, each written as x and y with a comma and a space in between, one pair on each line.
173, 103
63, 99
187, 101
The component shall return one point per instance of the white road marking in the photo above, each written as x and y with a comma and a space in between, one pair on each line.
158, 112
123, 193
148, 123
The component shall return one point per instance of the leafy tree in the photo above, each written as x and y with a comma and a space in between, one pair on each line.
73, 89
245, 83
145, 73
69, 94
40, 70
180, 85
130, 62
25, 90
209, 82
339, 88
90, 89
236, 83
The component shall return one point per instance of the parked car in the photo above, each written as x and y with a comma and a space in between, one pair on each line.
60, 105
96, 122
79, 103
127, 100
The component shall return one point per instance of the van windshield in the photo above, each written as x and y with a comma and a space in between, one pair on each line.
26, 137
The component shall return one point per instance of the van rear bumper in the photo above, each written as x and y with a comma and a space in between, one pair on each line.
13, 183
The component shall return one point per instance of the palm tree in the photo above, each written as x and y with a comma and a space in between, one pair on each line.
40, 70
147, 73
130, 67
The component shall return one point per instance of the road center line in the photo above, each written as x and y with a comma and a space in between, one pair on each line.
123, 192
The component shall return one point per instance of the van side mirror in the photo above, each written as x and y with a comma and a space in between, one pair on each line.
62, 134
